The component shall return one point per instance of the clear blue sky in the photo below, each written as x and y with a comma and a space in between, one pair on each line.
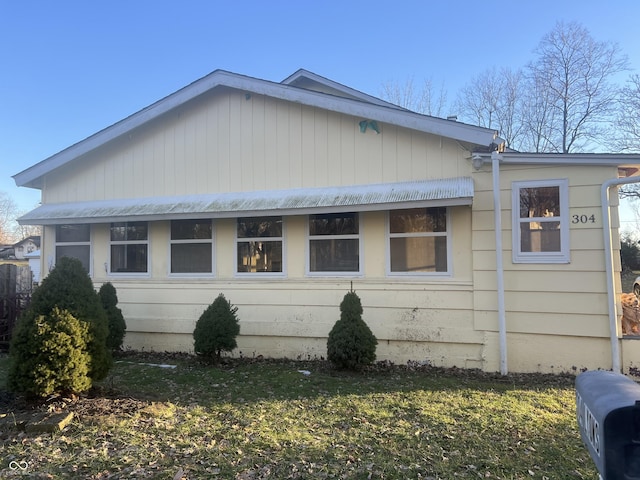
73, 67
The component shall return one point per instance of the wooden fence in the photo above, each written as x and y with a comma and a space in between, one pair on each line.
16, 283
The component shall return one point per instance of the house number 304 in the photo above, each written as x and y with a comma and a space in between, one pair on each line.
583, 219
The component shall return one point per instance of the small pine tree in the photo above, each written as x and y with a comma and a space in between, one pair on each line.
69, 287
351, 344
216, 329
50, 355
117, 325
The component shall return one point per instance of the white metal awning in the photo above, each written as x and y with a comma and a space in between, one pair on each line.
384, 196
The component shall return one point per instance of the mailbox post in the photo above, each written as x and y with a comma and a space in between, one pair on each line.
608, 411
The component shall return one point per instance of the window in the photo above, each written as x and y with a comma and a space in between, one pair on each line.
192, 246
74, 241
259, 245
540, 222
418, 241
334, 243
129, 247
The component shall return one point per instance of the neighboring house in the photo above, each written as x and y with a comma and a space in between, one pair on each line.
34, 265
283, 196
26, 246
7, 252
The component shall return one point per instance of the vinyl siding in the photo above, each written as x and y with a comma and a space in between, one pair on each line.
546, 303
227, 143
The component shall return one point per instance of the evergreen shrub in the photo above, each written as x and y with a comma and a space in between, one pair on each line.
351, 344
117, 324
69, 287
216, 329
50, 355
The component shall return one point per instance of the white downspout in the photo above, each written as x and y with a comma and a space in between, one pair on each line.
609, 262
497, 217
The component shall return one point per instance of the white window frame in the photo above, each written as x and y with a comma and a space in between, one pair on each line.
351, 236
563, 256
280, 239
210, 241
447, 234
131, 242
75, 244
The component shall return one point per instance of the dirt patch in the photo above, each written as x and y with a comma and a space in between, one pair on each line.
19, 415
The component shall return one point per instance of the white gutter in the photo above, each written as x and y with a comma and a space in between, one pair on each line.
608, 260
497, 217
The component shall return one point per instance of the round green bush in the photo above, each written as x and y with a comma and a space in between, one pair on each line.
69, 287
216, 329
351, 344
49, 355
117, 324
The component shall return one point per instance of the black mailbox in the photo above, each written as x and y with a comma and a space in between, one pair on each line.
608, 410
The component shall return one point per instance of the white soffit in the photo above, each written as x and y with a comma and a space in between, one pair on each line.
424, 193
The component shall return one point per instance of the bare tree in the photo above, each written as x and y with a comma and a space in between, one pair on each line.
538, 118
478, 100
24, 231
628, 119
8, 215
425, 99
628, 133
10, 230
577, 72
493, 99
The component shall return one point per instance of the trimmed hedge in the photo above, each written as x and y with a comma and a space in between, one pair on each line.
67, 287
50, 355
216, 329
351, 344
117, 325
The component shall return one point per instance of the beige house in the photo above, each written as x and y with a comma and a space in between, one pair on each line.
284, 195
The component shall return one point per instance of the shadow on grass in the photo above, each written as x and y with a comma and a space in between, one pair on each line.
255, 419
188, 380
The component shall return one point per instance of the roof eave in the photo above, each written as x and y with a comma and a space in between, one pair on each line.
585, 159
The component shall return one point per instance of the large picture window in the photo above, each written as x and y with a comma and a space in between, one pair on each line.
74, 241
129, 247
259, 245
540, 222
418, 241
192, 246
334, 243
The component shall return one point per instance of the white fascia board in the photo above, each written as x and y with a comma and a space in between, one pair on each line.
585, 159
437, 126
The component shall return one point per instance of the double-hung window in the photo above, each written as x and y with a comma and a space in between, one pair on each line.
418, 241
192, 246
74, 241
259, 245
334, 243
541, 221
129, 247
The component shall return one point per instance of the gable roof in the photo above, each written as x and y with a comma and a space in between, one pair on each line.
312, 81
302, 87
33, 238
